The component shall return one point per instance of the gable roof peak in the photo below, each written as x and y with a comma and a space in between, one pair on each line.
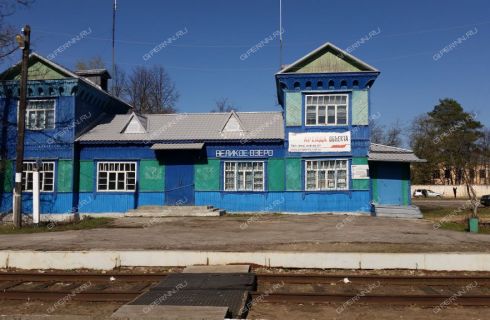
328, 58
136, 124
233, 123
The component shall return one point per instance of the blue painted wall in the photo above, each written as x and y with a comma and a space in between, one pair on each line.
77, 106
332, 201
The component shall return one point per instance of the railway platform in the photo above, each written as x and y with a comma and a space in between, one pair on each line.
309, 241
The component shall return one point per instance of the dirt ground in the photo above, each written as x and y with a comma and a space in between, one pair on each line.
88, 310
362, 312
257, 232
99, 311
358, 311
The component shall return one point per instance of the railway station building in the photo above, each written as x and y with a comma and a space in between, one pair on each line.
99, 156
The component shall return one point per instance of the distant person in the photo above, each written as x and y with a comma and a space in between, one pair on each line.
455, 190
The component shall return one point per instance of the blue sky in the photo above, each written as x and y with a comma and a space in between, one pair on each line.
205, 62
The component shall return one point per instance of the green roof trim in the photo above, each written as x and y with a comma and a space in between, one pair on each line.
38, 70
328, 59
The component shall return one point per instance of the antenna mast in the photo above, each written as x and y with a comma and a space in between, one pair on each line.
113, 36
280, 34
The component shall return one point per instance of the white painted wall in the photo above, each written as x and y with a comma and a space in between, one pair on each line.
108, 260
447, 190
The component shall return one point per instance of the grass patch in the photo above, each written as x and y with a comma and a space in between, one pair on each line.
440, 212
455, 218
463, 227
52, 226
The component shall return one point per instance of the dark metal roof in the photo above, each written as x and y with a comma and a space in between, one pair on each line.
191, 127
177, 146
380, 152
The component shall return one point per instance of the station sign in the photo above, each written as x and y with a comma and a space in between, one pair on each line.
244, 153
320, 142
360, 171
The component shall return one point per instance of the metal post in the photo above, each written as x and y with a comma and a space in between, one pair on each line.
114, 7
17, 205
35, 196
280, 34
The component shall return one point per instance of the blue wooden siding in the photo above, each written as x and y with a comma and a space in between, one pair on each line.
391, 183
345, 201
51, 202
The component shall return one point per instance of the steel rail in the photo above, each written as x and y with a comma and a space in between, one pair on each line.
69, 296
408, 280
395, 299
81, 277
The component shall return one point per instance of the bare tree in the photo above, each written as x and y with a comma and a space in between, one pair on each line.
93, 63
119, 83
391, 136
377, 132
150, 90
485, 154
223, 105
8, 32
164, 95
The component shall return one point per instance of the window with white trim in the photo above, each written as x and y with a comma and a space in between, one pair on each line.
46, 176
326, 175
244, 176
40, 114
326, 110
116, 176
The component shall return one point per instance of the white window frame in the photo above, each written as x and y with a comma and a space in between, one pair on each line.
27, 173
235, 189
125, 172
335, 105
37, 110
327, 169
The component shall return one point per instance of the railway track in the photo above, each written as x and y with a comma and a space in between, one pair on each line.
366, 279
325, 298
122, 288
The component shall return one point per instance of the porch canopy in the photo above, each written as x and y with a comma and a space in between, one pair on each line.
380, 152
177, 146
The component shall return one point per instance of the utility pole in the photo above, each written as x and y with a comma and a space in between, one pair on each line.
114, 7
280, 34
24, 44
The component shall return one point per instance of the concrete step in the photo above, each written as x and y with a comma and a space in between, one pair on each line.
167, 312
175, 211
174, 208
405, 212
230, 268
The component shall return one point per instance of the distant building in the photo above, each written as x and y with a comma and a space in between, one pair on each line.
480, 175
313, 156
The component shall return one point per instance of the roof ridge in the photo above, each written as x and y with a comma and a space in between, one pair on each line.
324, 46
207, 113
391, 147
71, 73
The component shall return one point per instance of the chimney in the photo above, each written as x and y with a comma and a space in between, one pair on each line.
99, 77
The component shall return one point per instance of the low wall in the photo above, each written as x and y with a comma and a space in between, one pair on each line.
447, 190
108, 260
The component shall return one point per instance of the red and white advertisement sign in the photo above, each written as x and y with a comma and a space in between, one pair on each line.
320, 142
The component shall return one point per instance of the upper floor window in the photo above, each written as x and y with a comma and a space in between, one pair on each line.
244, 176
116, 176
40, 114
46, 176
326, 110
326, 175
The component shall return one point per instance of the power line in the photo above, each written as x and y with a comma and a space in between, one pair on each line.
151, 43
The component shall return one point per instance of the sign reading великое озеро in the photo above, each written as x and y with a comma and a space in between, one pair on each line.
244, 153
319, 142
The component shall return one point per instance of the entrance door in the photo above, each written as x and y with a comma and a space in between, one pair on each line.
179, 179
391, 183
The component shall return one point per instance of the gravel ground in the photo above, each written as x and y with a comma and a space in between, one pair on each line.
314, 233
